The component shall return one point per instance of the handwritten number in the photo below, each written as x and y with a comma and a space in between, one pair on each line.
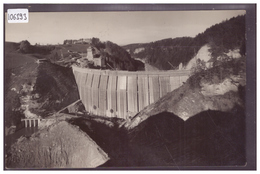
17, 16
25, 18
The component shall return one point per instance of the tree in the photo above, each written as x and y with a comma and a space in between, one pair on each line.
95, 41
199, 66
25, 46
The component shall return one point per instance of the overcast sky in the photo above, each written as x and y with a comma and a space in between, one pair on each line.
119, 27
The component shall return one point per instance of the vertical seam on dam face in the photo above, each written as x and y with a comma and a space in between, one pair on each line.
91, 93
159, 86
85, 90
123, 93
148, 90
127, 93
137, 94
107, 95
116, 96
99, 78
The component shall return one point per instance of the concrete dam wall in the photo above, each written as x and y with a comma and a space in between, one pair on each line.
124, 93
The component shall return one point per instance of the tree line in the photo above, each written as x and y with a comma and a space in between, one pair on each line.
169, 53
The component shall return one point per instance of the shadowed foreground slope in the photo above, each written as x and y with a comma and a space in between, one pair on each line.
210, 138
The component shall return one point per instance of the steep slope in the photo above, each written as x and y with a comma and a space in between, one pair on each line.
202, 123
120, 59
221, 88
19, 70
204, 57
203, 54
169, 53
34, 89
55, 88
209, 138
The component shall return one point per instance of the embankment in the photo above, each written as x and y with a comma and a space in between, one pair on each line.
59, 145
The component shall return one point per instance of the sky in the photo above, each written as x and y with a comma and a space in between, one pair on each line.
119, 27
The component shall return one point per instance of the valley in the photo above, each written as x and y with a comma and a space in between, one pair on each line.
198, 120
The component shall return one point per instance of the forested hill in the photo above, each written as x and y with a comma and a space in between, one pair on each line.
168, 53
121, 59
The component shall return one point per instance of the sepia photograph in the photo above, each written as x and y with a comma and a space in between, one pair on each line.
112, 86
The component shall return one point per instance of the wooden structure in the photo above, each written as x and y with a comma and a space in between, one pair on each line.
124, 93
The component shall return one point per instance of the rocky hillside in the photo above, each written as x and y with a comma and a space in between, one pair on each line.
221, 88
170, 53
120, 59
32, 88
202, 123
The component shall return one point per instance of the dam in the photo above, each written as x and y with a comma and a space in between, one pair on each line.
123, 94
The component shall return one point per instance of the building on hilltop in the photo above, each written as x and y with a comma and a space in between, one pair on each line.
87, 40
67, 42
79, 41
82, 41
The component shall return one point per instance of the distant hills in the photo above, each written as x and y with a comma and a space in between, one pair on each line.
164, 54
169, 53
116, 58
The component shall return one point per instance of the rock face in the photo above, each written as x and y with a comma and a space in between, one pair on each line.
203, 54
138, 50
60, 145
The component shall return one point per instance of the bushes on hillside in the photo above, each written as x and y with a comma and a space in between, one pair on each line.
25, 46
219, 72
97, 43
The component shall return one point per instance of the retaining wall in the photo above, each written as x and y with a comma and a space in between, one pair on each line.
124, 93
